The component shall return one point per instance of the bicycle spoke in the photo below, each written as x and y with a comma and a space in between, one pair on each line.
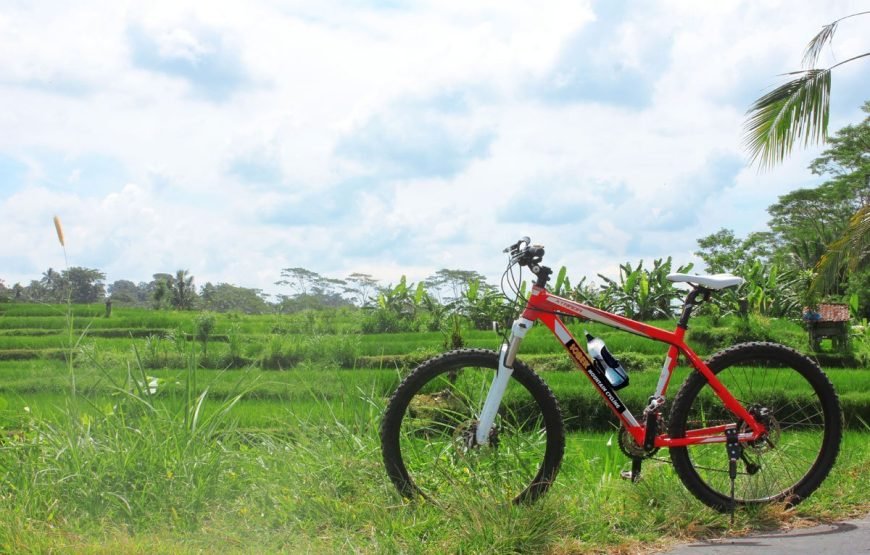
778, 392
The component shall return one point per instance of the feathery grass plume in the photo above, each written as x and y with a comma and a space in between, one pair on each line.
59, 228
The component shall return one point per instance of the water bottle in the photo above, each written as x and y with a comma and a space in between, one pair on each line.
613, 371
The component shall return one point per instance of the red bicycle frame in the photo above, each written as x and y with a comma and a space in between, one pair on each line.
545, 307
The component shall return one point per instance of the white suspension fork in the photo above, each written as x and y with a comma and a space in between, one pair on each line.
506, 358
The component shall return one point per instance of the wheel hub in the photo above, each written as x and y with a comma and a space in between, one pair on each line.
465, 436
770, 439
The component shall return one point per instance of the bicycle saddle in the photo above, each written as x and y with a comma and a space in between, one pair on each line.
715, 281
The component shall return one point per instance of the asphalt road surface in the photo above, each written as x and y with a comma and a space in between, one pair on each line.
851, 537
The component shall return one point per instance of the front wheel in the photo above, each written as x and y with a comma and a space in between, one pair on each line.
428, 431
785, 391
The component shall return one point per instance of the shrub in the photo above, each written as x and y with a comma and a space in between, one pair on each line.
384, 321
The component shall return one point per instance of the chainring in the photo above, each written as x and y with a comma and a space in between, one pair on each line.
631, 448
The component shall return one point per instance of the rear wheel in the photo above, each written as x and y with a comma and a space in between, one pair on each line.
428, 431
791, 396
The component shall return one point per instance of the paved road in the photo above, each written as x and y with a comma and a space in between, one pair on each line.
843, 538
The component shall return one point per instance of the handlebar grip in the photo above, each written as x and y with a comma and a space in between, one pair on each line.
515, 248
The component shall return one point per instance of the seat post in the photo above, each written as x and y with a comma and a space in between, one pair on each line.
691, 302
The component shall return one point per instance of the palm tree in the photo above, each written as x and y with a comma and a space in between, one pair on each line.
798, 110
183, 291
851, 250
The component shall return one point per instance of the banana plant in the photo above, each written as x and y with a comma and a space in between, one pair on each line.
482, 304
403, 299
640, 293
562, 285
771, 291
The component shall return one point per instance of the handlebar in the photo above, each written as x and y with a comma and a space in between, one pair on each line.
525, 254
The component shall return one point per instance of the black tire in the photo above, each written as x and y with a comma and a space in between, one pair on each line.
804, 418
431, 417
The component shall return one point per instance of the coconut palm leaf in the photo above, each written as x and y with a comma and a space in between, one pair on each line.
851, 250
795, 110
818, 42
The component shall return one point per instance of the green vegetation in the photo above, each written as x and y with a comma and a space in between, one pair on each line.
797, 111
170, 444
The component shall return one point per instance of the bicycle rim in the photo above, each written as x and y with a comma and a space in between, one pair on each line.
436, 435
791, 397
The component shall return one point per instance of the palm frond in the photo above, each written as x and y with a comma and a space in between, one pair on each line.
794, 110
851, 251
814, 47
826, 35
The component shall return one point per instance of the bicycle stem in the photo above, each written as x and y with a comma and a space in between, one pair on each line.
520, 327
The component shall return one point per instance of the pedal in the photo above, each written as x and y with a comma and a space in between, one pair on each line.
634, 473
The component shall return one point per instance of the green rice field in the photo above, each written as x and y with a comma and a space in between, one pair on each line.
130, 434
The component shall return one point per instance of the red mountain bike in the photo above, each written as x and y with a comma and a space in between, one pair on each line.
756, 423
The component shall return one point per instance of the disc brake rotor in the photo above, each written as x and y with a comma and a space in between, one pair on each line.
465, 437
770, 439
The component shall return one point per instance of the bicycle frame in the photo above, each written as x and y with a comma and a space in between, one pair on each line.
545, 307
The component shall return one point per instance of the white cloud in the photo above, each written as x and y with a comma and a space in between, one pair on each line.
221, 128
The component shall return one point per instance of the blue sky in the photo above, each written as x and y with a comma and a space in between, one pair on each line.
237, 139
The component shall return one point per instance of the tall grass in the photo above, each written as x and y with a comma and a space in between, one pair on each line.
118, 459
320, 487
127, 459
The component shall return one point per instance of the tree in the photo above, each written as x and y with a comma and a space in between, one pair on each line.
847, 161
311, 290
161, 293
85, 284
361, 288
805, 221
799, 110
145, 292
52, 288
182, 290
643, 294
124, 291
721, 251
397, 308
483, 304
300, 280
454, 283
224, 297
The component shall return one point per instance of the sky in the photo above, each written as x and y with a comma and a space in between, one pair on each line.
234, 139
